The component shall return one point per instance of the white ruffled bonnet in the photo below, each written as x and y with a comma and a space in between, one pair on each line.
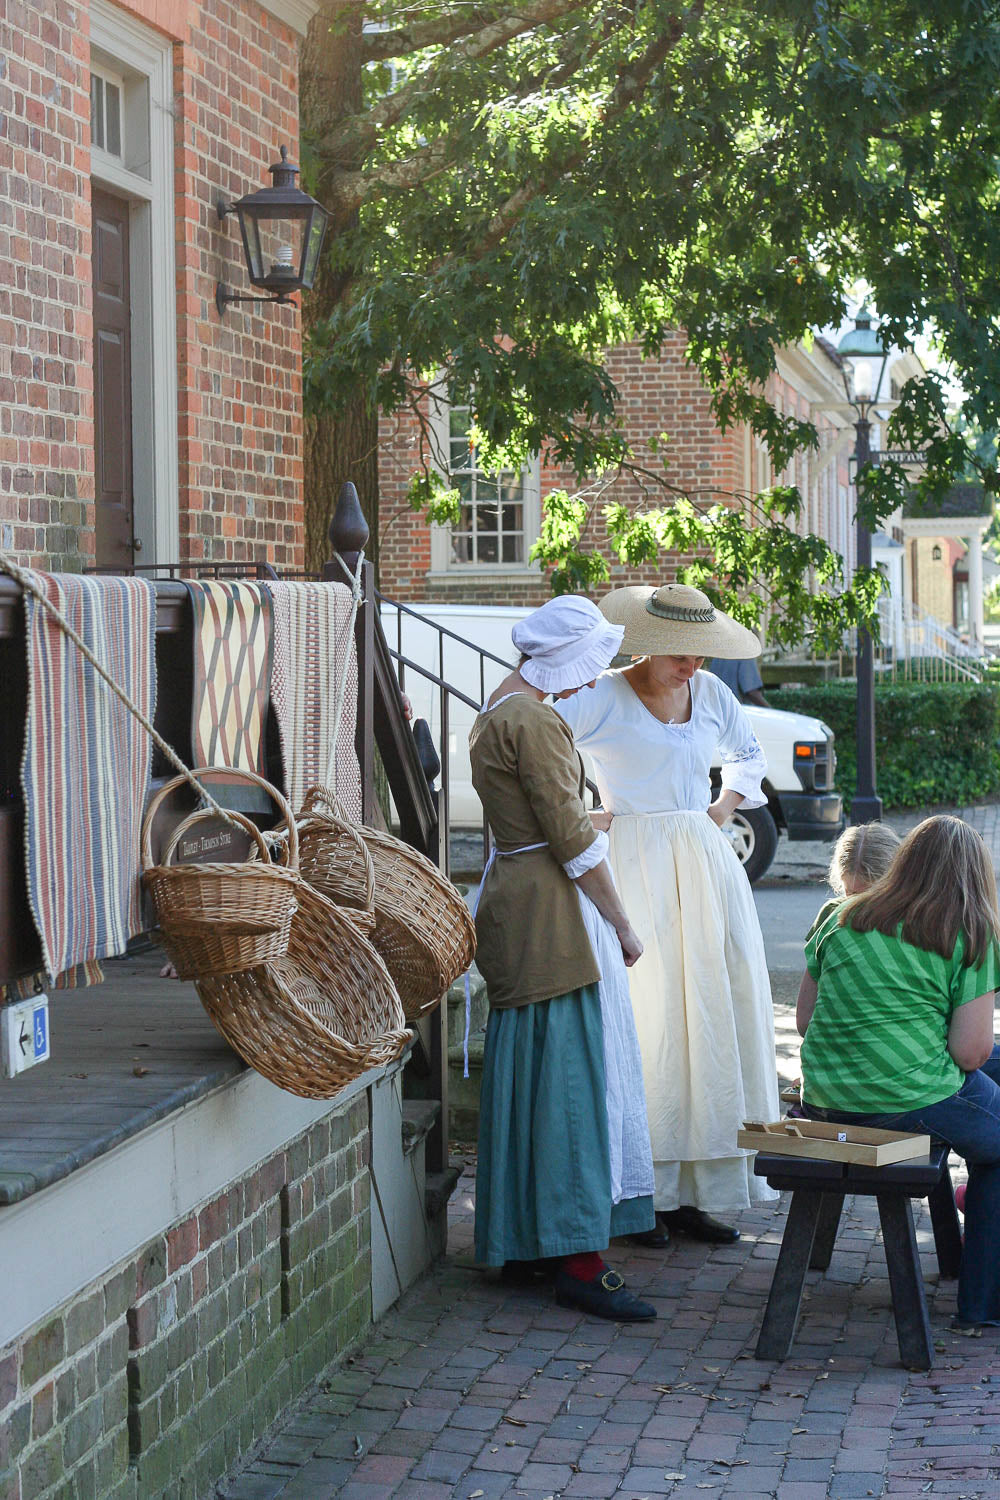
568, 642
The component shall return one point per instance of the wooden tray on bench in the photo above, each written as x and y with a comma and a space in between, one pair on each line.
815, 1138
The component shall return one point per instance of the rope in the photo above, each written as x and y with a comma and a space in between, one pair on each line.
331, 766
27, 582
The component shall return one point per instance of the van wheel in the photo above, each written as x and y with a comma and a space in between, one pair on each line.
753, 833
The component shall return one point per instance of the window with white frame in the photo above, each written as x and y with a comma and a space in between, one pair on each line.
499, 513
106, 91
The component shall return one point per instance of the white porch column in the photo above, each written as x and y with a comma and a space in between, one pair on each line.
976, 586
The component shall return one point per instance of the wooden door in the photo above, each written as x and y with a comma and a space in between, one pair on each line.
112, 382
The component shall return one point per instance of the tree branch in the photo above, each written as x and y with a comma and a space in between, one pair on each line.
359, 133
632, 81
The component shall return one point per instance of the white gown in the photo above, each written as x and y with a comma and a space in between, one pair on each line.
700, 993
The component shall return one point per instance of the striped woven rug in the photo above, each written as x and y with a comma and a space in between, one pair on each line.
85, 770
232, 681
313, 657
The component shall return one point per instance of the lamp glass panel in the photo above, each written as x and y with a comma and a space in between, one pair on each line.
862, 378
251, 244
313, 244
273, 249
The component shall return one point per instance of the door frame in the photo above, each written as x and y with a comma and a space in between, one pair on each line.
144, 60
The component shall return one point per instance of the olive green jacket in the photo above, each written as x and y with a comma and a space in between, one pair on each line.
532, 943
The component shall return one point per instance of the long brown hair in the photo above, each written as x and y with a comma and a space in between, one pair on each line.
940, 883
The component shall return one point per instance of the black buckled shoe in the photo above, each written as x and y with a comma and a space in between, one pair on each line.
657, 1238
606, 1297
699, 1226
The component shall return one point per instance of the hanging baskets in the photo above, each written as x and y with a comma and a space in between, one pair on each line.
422, 928
221, 918
334, 859
317, 1019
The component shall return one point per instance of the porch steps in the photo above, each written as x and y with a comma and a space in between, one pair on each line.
463, 1093
419, 1118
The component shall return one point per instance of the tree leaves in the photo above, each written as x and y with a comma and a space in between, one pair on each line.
540, 184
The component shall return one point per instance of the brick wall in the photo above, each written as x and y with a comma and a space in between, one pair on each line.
156, 1380
658, 396
238, 378
46, 380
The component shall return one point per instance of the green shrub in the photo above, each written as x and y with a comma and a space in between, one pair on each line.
934, 742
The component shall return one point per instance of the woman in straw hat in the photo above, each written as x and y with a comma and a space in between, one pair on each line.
564, 1157
700, 993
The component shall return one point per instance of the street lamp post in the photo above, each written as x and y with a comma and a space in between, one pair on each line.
862, 348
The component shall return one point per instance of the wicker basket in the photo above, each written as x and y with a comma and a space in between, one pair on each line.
316, 1020
423, 928
334, 859
221, 918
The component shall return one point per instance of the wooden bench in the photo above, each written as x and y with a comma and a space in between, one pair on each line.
818, 1190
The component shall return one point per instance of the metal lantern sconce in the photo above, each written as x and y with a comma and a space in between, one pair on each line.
282, 230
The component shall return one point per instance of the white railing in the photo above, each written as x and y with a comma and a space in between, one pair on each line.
916, 646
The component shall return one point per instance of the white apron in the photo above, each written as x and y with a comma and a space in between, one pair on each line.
702, 1005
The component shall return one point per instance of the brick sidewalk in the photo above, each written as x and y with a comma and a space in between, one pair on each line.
475, 1391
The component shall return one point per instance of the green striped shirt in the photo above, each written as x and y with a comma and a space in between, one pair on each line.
877, 1041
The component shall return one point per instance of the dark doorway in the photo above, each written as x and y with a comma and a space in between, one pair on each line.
112, 383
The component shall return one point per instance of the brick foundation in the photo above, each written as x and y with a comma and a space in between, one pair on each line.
155, 1380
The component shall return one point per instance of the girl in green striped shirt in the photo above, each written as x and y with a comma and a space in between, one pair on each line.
896, 1012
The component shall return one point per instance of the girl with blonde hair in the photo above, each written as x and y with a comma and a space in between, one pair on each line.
861, 856
896, 1012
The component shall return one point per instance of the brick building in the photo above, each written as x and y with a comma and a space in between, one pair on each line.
487, 560
135, 422
185, 1246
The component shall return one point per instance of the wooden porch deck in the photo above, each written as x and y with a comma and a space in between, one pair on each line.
124, 1054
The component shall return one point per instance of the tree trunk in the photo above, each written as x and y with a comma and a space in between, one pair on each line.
340, 442
340, 445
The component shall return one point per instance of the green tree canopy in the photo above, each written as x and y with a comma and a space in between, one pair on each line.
516, 187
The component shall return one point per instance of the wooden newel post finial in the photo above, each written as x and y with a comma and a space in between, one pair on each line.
348, 528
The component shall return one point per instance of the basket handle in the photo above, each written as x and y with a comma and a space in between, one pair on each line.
319, 797
221, 773
199, 816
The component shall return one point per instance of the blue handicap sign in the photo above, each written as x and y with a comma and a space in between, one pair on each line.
40, 1030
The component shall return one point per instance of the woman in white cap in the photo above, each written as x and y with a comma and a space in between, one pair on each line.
564, 1157
700, 993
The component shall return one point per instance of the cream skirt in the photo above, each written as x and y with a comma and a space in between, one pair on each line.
702, 1004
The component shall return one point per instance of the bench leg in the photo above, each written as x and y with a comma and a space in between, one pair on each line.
782, 1311
826, 1231
947, 1229
909, 1307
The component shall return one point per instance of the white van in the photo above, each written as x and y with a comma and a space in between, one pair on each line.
799, 749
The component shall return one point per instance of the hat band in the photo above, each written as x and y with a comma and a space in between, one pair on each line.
678, 612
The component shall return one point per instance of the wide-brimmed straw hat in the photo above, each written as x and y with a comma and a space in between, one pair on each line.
675, 620
568, 642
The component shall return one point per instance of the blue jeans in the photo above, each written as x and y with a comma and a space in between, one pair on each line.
969, 1122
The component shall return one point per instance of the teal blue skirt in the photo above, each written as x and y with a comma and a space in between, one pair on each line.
543, 1180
